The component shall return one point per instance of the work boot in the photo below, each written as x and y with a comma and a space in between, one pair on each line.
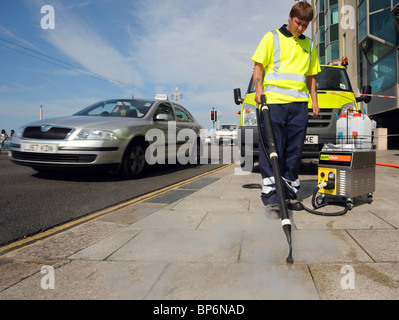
270, 198
273, 206
273, 211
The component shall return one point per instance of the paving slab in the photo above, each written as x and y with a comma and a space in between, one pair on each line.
381, 245
220, 281
95, 280
180, 245
365, 281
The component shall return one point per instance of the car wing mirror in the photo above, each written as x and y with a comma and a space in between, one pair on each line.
162, 117
365, 99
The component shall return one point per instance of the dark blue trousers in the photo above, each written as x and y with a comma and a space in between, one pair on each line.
289, 123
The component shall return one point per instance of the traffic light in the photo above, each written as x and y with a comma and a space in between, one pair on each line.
214, 115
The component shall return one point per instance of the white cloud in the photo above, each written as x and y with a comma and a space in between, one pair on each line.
204, 46
81, 43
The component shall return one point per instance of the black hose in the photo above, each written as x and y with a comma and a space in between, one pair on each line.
278, 180
327, 214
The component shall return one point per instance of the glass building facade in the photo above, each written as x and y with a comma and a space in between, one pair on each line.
378, 40
327, 33
367, 32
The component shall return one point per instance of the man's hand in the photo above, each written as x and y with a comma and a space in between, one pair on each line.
258, 96
312, 86
316, 109
257, 78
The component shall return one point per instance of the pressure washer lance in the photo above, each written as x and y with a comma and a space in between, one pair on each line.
273, 157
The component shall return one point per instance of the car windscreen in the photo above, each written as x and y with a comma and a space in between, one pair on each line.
131, 108
335, 79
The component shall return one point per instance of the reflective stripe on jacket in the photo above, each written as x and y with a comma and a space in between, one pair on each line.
287, 61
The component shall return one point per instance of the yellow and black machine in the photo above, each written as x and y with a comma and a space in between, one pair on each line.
346, 174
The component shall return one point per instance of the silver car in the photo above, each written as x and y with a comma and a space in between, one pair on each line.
123, 135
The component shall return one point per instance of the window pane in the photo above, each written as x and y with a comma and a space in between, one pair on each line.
321, 5
321, 19
395, 2
396, 16
334, 50
334, 17
334, 32
363, 30
375, 5
383, 26
383, 74
182, 114
363, 10
321, 34
374, 50
333, 2
322, 49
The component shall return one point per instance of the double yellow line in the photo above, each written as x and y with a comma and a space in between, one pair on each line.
18, 245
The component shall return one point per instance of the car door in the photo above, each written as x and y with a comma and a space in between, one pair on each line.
187, 132
164, 120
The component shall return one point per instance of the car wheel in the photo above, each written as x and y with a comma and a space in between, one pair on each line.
134, 162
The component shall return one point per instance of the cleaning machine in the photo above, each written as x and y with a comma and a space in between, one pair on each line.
346, 174
347, 168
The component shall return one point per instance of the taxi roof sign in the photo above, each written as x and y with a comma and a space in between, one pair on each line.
161, 96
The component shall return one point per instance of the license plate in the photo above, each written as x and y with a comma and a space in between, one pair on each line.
310, 139
39, 147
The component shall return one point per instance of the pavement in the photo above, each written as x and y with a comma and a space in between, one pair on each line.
212, 239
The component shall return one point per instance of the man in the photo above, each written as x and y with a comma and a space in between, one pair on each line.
290, 64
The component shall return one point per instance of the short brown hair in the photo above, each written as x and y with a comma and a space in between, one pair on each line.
303, 11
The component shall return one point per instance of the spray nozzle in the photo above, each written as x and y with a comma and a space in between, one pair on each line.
287, 231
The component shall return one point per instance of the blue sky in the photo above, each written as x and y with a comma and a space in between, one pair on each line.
102, 49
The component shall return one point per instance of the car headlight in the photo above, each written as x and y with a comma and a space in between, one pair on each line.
88, 134
349, 106
249, 115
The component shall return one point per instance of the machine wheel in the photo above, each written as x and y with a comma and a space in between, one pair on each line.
369, 198
349, 204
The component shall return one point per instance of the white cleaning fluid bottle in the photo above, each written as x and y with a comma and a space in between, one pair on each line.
361, 131
366, 142
356, 130
342, 129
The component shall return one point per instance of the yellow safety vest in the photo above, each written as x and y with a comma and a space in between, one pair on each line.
287, 61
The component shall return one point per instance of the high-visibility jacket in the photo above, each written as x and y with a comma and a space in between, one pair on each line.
287, 61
